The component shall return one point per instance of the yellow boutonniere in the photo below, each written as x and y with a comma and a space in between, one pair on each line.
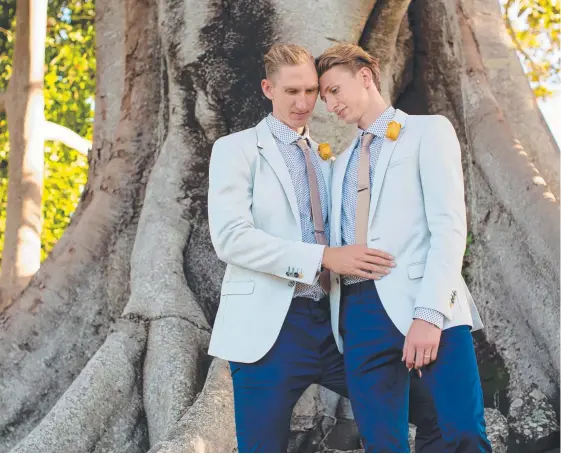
324, 151
393, 130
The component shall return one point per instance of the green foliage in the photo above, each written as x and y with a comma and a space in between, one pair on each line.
69, 97
534, 26
469, 242
7, 11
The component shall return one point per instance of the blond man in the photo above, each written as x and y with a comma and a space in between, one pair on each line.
399, 187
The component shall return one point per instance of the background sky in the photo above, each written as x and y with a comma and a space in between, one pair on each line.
551, 109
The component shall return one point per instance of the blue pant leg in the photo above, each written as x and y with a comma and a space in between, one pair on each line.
453, 380
333, 366
378, 381
422, 413
263, 408
428, 437
266, 391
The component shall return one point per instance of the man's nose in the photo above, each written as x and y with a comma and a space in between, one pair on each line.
301, 103
330, 104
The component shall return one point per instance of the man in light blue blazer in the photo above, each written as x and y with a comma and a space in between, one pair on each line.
399, 187
269, 208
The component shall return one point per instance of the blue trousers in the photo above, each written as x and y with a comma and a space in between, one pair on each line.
305, 353
379, 383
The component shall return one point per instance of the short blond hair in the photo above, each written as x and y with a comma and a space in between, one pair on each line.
285, 54
350, 56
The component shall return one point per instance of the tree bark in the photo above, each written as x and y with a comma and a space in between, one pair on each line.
506, 77
125, 303
24, 103
510, 204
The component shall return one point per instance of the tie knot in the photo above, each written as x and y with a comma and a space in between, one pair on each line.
367, 139
303, 144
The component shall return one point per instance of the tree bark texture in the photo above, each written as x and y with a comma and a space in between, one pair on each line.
24, 103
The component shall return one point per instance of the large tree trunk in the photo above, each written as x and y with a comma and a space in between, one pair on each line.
24, 103
124, 305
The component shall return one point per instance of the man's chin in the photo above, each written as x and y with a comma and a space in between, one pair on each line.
347, 119
299, 123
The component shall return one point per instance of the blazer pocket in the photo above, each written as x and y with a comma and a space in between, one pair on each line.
399, 161
238, 288
416, 270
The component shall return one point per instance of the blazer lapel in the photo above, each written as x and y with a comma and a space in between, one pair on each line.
382, 164
269, 150
337, 179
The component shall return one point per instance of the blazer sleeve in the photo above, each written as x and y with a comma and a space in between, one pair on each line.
443, 193
232, 229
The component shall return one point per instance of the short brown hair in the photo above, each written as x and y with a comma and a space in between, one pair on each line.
350, 56
285, 54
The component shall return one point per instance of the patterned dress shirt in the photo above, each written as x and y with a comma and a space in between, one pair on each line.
293, 156
350, 195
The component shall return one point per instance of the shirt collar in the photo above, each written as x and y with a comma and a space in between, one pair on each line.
283, 133
378, 128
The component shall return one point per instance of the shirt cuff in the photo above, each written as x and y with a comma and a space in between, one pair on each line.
429, 315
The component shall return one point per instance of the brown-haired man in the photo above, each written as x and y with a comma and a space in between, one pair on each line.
399, 187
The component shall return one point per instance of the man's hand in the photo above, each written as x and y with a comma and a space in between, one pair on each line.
358, 260
421, 344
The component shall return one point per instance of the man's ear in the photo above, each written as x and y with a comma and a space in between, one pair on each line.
267, 87
366, 77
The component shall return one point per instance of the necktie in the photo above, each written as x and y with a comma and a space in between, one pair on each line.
317, 216
363, 199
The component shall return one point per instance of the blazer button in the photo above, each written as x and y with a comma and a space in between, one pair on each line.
291, 284
337, 280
